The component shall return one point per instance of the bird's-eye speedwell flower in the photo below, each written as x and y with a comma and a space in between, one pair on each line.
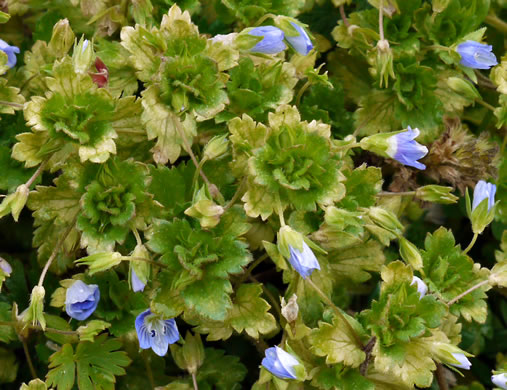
5, 266
500, 380
81, 300
137, 284
11, 52
464, 363
482, 191
272, 42
405, 149
303, 262
422, 289
301, 42
156, 333
476, 55
280, 363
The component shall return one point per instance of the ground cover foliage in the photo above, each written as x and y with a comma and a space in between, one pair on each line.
186, 188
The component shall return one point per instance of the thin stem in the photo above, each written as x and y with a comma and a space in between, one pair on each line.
28, 358
344, 16
338, 312
37, 173
194, 381
497, 23
248, 272
212, 188
149, 372
404, 193
301, 92
478, 285
474, 238
381, 20
137, 236
16, 105
279, 210
264, 18
363, 368
236, 195
484, 104
38, 327
56, 249
347, 147
440, 375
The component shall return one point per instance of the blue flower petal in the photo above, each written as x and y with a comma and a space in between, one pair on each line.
280, 363
272, 42
142, 332
303, 262
302, 42
137, 285
171, 331
476, 55
482, 191
11, 52
404, 149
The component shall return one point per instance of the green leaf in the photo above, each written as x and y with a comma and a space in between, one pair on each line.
8, 366
13, 174
62, 371
7, 332
91, 329
220, 371
448, 272
249, 313
11, 95
99, 362
35, 384
336, 343
362, 184
341, 377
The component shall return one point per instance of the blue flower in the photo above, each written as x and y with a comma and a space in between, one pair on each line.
11, 52
303, 262
280, 363
155, 333
137, 284
301, 42
482, 191
5, 266
462, 361
81, 300
500, 380
476, 55
403, 148
272, 42
422, 288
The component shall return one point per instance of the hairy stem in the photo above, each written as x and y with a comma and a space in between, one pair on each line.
338, 312
484, 104
37, 327
472, 243
363, 368
301, 92
28, 357
56, 249
137, 236
405, 193
194, 381
156, 263
37, 173
344, 16
381, 20
497, 23
475, 287
236, 195
440, 375
11, 104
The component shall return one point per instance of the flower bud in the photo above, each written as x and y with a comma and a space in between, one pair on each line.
205, 210
5, 266
452, 355
500, 380
101, 261
422, 288
283, 365
216, 147
439, 5
62, 38
83, 56
436, 194
35, 312
385, 219
290, 309
410, 254
463, 87
482, 211
190, 356
264, 40
293, 247
384, 62
139, 270
15, 202
295, 34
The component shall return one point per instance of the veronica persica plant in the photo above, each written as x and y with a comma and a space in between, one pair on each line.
422, 288
405, 149
462, 361
5, 266
272, 40
11, 52
476, 55
81, 300
481, 211
137, 284
304, 262
300, 42
156, 333
280, 363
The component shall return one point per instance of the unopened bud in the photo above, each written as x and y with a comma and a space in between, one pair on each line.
139, 270
290, 309
410, 254
385, 219
205, 209
62, 39
101, 261
35, 312
216, 147
83, 56
14, 203
463, 87
190, 356
440, 5
436, 194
